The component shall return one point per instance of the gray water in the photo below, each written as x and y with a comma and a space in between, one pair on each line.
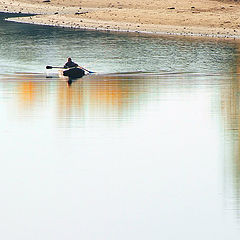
147, 148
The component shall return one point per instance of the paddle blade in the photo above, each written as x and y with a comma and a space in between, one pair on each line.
49, 67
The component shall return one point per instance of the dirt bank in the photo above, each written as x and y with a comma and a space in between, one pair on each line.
185, 17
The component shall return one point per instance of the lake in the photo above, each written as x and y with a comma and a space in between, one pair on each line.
146, 148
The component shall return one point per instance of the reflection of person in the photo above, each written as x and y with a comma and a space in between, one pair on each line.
70, 64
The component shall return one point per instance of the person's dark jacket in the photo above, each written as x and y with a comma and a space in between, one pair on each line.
70, 64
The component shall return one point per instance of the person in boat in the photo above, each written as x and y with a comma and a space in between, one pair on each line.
73, 70
70, 64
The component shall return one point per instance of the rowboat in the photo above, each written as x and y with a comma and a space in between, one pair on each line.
72, 73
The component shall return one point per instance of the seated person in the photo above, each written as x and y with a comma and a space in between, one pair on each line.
70, 64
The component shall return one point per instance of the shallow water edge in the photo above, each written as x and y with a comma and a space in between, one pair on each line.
157, 33
103, 26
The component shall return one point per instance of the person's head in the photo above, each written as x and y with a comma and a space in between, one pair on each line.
69, 59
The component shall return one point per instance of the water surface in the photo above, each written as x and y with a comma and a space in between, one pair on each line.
148, 148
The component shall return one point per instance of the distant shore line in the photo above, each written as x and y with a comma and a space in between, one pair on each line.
208, 19
160, 33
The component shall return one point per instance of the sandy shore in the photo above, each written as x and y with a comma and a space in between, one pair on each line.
202, 18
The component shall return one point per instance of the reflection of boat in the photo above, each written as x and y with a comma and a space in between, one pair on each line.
72, 73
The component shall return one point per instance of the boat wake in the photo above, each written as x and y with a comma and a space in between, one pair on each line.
50, 76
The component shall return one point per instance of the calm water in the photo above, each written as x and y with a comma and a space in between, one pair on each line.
148, 148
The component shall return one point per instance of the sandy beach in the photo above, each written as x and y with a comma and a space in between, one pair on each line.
202, 18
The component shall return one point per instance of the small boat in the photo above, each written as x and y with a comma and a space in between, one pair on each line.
73, 73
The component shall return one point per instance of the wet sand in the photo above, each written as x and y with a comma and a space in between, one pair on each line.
202, 18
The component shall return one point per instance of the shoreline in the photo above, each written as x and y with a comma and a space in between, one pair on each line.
189, 22
179, 34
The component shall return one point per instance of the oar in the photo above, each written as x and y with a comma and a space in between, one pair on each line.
86, 70
50, 67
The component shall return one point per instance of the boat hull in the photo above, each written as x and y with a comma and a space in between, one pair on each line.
73, 73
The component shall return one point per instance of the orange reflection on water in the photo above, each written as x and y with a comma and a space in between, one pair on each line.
106, 93
30, 91
92, 97
27, 92
70, 101
99, 96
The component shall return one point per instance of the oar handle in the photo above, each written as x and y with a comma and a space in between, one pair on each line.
50, 67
